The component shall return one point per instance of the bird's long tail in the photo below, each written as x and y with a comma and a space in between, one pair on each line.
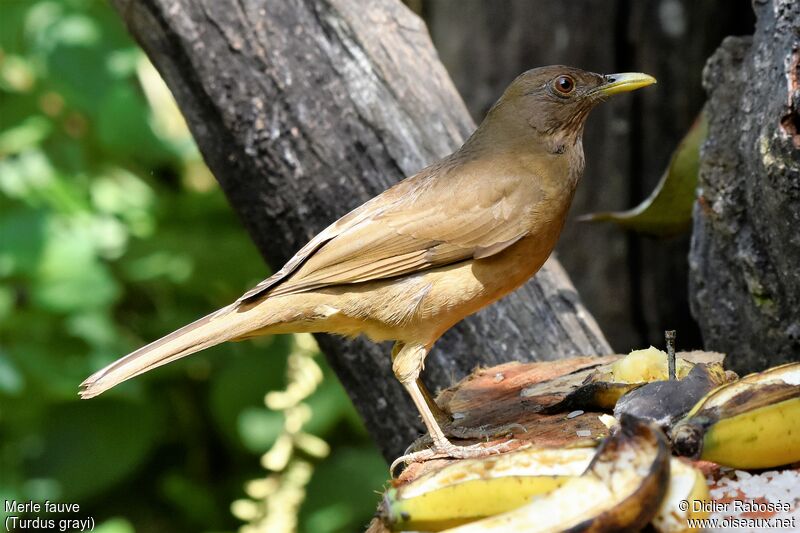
226, 324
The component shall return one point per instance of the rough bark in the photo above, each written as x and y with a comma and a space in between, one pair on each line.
304, 109
635, 287
746, 245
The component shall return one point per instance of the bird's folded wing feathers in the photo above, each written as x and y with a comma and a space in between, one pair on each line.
412, 227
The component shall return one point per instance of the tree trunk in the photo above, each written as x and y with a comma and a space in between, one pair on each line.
634, 286
746, 245
304, 109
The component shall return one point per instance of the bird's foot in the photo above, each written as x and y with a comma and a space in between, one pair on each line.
448, 450
421, 449
483, 433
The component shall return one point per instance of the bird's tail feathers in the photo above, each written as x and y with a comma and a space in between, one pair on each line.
223, 325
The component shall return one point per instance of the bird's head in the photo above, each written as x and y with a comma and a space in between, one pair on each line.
554, 101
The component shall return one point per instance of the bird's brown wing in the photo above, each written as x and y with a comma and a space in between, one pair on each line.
417, 225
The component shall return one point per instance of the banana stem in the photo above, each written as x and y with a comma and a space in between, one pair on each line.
669, 335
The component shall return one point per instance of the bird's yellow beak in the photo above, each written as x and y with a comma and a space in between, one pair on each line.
624, 82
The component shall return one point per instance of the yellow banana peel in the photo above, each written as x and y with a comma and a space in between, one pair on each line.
442, 500
687, 485
621, 490
750, 423
465, 502
476, 488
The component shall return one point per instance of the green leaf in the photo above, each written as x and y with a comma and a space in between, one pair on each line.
73, 55
16, 74
123, 128
11, 380
30, 133
12, 26
95, 327
259, 428
194, 501
22, 239
7, 302
70, 276
327, 507
76, 30
90, 446
51, 370
238, 388
668, 209
26, 175
123, 194
109, 235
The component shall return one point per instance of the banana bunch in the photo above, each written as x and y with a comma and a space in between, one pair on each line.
628, 482
750, 423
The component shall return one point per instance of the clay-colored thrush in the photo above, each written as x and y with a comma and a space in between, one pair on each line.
410, 263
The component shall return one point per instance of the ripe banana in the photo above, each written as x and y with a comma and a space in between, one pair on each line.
621, 490
750, 423
644, 366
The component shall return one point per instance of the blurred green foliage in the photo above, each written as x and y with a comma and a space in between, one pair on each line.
113, 233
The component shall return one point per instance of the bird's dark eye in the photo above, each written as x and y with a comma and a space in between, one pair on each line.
564, 84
